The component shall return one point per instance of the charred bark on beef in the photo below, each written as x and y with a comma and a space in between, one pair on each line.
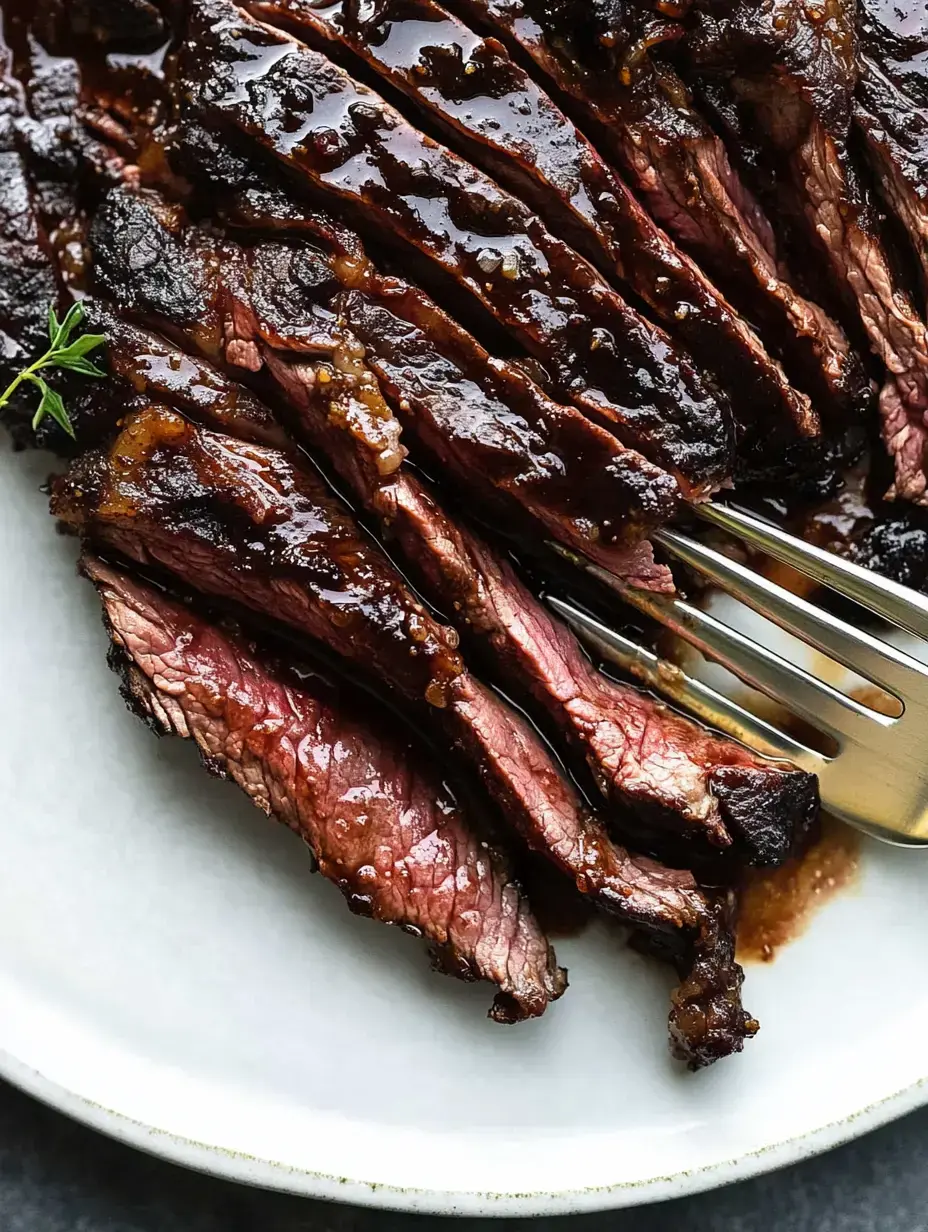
507, 124
343, 139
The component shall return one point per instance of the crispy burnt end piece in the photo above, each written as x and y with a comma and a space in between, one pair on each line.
286, 308
794, 76
641, 115
505, 123
707, 1021
153, 501
341, 138
891, 109
378, 820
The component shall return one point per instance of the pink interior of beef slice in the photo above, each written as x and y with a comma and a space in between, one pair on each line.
676, 778
378, 822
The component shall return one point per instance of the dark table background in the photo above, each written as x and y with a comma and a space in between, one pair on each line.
56, 1176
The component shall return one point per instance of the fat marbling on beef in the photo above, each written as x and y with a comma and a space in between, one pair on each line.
379, 823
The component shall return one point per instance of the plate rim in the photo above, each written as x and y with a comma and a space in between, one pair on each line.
231, 1165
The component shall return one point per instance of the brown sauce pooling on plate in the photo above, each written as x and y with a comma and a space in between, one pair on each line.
778, 904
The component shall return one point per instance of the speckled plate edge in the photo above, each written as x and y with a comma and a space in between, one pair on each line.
266, 1173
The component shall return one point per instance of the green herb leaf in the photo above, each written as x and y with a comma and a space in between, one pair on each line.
80, 346
84, 366
52, 405
62, 353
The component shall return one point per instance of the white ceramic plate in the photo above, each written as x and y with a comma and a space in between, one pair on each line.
172, 973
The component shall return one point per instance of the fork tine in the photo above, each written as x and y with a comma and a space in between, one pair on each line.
901, 606
690, 694
826, 708
856, 649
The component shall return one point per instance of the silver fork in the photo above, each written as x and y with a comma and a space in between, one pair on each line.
877, 780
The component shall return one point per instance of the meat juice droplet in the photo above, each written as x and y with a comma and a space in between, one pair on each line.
777, 905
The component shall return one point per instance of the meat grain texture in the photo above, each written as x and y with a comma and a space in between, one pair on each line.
489, 273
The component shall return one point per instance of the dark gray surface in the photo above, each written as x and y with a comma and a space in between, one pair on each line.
56, 1176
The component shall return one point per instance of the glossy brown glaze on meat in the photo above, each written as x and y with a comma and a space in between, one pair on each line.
795, 79
143, 365
638, 751
299, 312
377, 820
643, 117
343, 139
511, 128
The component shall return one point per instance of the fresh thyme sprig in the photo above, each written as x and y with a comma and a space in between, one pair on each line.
62, 353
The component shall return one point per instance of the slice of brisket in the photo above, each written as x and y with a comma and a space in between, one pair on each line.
641, 115
377, 819
237, 522
342, 139
796, 77
286, 306
507, 124
675, 778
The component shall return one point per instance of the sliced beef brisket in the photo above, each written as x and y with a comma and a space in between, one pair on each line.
516, 132
342, 139
636, 749
377, 820
796, 75
237, 522
290, 305
677, 779
641, 115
